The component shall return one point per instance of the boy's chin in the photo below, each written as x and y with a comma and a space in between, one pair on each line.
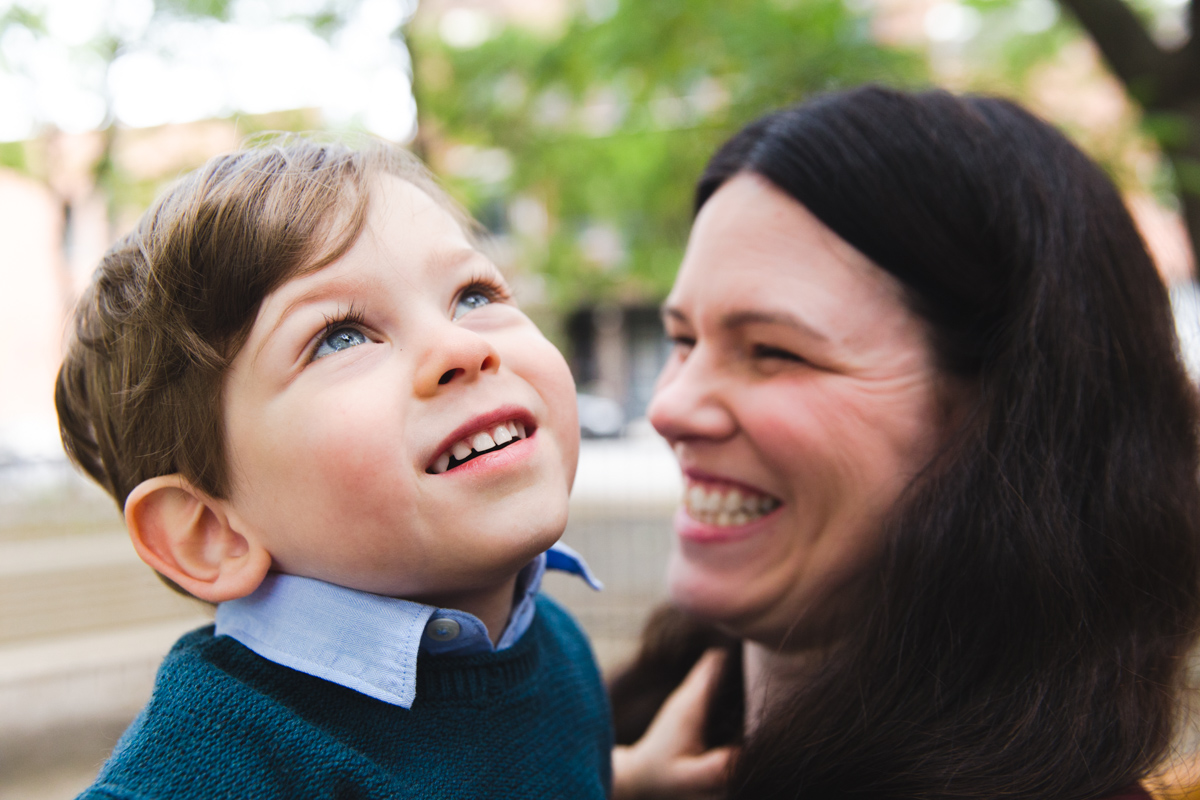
530, 520
526, 544
500, 548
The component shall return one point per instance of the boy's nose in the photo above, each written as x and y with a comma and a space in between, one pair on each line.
454, 355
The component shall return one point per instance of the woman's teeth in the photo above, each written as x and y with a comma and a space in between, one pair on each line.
726, 505
477, 443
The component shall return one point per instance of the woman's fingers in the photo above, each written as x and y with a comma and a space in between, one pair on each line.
686, 708
670, 759
703, 775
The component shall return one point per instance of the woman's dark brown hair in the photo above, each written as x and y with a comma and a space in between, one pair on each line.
1029, 620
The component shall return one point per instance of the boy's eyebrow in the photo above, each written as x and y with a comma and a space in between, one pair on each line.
448, 259
480, 263
322, 290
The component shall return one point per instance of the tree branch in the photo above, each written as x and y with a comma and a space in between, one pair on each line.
1193, 16
1126, 46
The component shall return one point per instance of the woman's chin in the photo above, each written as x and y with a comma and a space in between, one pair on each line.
723, 598
705, 593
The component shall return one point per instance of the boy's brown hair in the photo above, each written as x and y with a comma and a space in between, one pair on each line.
139, 391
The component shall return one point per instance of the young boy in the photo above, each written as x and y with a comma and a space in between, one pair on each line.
313, 397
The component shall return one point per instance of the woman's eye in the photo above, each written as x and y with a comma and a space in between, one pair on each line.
469, 301
683, 344
766, 351
339, 339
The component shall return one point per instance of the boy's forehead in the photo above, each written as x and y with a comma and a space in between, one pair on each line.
394, 199
361, 271
411, 229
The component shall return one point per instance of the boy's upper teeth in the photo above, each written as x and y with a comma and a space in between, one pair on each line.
479, 442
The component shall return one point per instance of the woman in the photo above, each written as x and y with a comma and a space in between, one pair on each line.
941, 463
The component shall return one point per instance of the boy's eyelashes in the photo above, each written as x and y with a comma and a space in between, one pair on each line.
482, 288
341, 332
345, 330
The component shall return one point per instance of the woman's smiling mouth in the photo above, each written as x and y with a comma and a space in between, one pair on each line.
493, 437
724, 505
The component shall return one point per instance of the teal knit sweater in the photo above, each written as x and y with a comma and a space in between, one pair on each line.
531, 721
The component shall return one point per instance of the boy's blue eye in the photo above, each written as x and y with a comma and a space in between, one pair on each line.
469, 301
339, 339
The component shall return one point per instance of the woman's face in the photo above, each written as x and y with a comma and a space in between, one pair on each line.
801, 398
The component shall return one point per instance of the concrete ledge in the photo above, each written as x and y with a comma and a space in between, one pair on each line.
79, 679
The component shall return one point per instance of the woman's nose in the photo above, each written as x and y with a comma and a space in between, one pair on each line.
689, 402
454, 355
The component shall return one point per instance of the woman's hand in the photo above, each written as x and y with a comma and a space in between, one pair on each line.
670, 761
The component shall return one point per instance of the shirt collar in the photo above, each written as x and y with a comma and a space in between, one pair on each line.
369, 642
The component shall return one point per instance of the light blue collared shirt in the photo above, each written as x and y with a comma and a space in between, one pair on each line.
368, 642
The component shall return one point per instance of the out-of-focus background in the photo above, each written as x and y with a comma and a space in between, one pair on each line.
573, 129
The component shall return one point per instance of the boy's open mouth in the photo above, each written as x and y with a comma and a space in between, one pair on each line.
494, 437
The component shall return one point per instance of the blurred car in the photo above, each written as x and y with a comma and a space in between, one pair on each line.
600, 417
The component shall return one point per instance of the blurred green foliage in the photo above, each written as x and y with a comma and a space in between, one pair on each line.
581, 146
216, 9
607, 127
1014, 38
12, 155
1019, 40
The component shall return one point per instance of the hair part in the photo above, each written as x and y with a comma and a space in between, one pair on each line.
139, 393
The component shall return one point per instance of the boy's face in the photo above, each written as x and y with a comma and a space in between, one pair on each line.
358, 384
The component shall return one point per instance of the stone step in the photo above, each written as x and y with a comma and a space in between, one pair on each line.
67, 698
57, 585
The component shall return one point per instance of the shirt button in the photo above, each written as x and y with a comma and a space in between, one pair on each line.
442, 629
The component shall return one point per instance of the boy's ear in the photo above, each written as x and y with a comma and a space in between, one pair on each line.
186, 535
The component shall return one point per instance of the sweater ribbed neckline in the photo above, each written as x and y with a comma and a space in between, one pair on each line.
484, 676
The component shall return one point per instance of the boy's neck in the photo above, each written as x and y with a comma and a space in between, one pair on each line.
491, 605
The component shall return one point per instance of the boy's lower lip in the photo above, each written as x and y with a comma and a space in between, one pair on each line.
494, 459
689, 529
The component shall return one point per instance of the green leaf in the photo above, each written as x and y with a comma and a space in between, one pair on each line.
1170, 130
1187, 174
17, 15
12, 155
217, 9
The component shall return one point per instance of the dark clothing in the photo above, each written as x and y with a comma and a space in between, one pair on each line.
1135, 792
530, 721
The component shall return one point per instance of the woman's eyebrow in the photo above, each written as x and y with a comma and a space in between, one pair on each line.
740, 319
670, 312
751, 317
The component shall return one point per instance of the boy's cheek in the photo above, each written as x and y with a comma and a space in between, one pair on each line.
333, 453
562, 408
